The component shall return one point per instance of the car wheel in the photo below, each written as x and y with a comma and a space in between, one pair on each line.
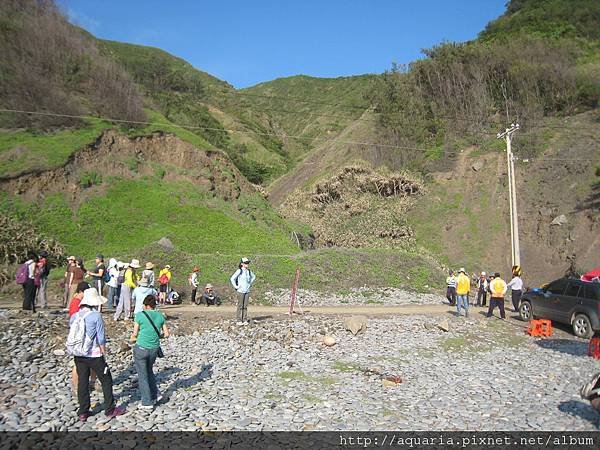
581, 326
525, 311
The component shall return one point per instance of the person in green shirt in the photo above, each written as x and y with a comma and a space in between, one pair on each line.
147, 326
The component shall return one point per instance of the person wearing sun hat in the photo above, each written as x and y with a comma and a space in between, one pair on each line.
210, 297
130, 281
164, 284
242, 281
148, 272
94, 359
143, 290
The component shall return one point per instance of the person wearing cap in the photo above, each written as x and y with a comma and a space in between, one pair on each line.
193, 282
482, 286
242, 281
498, 289
148, 272
164, 280
113, 282
516, 286
43, 267
94, 359
130, 281
463, 287
98, 273
142, 291
451, 288
210, 297
68, 280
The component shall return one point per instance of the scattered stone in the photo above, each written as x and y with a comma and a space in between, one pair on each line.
59, 352
329, 341
444, 325
545, 211
477, 165
355, 324
560, 220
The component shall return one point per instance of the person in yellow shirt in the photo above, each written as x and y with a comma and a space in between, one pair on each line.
463, 287
498, 289
130, 281
164, 283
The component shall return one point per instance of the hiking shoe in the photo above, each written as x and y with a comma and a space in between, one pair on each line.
116, 411
85, 416
158, 398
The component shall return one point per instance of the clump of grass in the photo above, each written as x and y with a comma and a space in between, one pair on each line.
89, 179
343, 366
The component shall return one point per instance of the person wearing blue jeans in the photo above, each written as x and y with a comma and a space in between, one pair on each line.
462, 301
146, 336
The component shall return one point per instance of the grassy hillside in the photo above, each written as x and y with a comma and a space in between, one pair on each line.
313, 109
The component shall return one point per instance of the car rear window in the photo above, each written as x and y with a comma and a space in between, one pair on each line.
557, 287
572, 289
590, 291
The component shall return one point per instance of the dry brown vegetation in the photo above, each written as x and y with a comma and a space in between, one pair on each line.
358, 207
49, 65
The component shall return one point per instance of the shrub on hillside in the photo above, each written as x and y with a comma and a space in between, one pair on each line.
48, 64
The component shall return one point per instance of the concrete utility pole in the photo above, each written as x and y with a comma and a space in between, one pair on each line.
512, 192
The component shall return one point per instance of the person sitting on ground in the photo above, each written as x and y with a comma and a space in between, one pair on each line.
142, 291
146, 336
164, 280
94, 359
148, 272
209, 296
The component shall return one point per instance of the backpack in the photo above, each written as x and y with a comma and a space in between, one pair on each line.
46, 270
106, 276
164, 279
237, 277
591, 389
121, 277
22, 274
78, 342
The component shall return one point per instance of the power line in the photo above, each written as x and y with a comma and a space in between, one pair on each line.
250, 132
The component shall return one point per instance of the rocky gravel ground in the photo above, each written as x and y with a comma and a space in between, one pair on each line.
355, 296
276, 374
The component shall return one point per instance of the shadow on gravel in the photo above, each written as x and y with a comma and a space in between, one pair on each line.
581, 409
203, 374
261, 318
127, 375
568, 346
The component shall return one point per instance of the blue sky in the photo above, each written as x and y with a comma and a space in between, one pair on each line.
245, 42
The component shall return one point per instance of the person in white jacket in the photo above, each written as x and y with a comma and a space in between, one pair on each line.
516, 286
242, 281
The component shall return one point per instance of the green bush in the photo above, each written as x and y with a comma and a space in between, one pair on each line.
89, 179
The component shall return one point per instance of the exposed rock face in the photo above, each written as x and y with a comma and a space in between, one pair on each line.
115, 154
358, 207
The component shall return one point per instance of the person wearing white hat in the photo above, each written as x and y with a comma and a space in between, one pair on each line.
113, 282
210, 297
94, 359
242, 281
130, 281
482, 287
463, 287
143, 290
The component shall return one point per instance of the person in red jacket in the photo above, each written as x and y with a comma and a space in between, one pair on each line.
76, 300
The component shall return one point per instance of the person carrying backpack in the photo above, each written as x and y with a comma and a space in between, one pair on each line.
26, 275
451, 288
242, 281
87, 344
193, 282
148, 272
164, 279
98, 273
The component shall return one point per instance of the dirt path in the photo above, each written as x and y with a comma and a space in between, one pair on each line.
260, 310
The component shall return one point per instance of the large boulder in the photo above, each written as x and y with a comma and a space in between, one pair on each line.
166, 244
355, 324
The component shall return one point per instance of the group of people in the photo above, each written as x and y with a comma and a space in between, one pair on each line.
89, 349
458, 291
